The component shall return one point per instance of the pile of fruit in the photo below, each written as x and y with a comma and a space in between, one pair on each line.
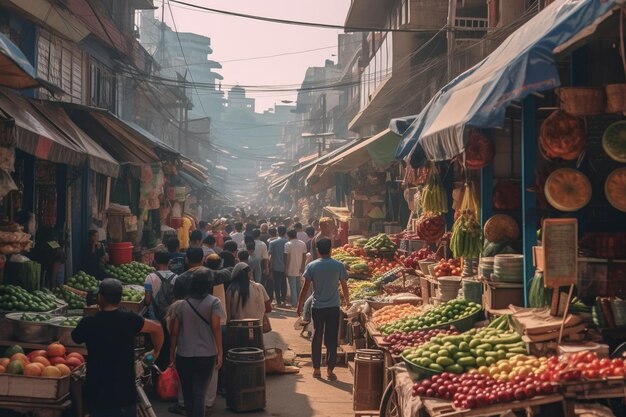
352, 250
74, 301
412, 261
393, 313
381, 242
70, 321
36, 318
475, 390
354, 264
132, 273
406, 235
583, 365
389, 276
409, 285
380, 266
362, 290
131, 295
53, 362
448, 268
400, 341
83, 282
438, 316
459, 354
17, 298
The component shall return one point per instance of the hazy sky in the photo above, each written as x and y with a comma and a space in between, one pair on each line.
234, 38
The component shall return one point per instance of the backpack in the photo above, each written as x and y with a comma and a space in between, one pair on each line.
177, 265
165, 297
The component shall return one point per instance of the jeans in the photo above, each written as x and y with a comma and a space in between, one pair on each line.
195, 375
211, 393
268, 283
129, 411
306, 310
280, 286
326, 325
294, 287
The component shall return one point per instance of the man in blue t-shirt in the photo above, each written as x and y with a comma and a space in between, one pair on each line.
326, 274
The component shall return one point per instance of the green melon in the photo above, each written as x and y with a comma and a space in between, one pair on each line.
12, 350
15, 368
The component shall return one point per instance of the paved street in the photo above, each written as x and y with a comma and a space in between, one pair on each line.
296, 395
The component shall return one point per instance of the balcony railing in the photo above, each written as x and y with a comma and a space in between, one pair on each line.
378, 70
471, 23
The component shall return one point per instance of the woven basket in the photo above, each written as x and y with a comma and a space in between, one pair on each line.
615, 98
582, 101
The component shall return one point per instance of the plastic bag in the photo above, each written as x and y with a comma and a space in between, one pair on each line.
167, 386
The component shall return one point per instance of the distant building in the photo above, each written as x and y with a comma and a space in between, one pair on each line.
237, 99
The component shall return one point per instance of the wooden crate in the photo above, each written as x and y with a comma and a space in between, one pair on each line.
36, 409
43, 389
610, 387
444, 408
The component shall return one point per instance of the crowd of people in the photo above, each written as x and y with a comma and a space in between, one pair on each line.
232, 269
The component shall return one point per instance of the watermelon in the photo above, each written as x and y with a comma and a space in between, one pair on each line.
15, 368
12, 350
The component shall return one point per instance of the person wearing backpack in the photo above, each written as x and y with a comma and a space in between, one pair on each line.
159, 288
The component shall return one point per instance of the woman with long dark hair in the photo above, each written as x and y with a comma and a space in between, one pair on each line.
245, 298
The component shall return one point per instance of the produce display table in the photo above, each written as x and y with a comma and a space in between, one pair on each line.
441, 408
38, 346
36, 409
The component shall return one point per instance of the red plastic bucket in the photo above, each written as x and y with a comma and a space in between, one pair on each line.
120, 253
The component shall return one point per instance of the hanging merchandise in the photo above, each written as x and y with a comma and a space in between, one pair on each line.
152, 181
615, 189
567, 189
434, 197
466, 240
614, 141
431, 227
479, 150
562, 136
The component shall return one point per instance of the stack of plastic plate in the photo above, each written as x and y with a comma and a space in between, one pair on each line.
508, 268
485, 267
449, 288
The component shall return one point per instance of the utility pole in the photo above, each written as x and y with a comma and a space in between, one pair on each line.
451, 36
322, 143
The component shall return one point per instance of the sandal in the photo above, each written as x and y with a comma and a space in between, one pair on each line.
331, 376
317, 374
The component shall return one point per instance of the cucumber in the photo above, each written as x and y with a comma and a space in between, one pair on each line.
501, 353
425, 362
453, 339
464, 347
489, 360
518, 350
469, 361
460, 355
435, 367
485, 346
480, 352
480, 361
445, 361
455, 369
491, 354
474, 343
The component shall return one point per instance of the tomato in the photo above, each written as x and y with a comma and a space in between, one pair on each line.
604, 372
519, 394
430, 392
482, 399
546, 388
605, 362
530, 390
420, 391
618, 371
590, 356
617, 362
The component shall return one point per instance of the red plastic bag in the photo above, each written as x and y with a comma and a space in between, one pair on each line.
167, 386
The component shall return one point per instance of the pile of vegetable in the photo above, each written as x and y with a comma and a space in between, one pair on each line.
37, 318
132, 273
131, 295
17, 298
381, 242
412, 261
355, 264
83, 282
388, 276
393, 313
409, 285
448, 268
362, 290
469, 350
434, 197
438, 316
466, 241
399, 341
70, 321
74, 301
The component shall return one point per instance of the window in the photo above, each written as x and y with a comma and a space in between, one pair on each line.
102, 86
60, 62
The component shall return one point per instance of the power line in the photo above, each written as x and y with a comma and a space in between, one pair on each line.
301, 23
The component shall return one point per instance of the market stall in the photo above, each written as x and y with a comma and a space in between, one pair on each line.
503, 220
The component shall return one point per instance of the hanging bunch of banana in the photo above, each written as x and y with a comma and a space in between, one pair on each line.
466, 239
434, 197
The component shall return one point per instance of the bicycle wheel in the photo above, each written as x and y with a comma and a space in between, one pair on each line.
390, 403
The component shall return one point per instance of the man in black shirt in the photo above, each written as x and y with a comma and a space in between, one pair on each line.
110, 338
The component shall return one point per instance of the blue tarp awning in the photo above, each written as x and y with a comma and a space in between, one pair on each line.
15, 70
523, 64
